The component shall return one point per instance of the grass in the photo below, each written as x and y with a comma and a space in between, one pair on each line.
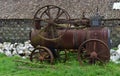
9, 66
115, 48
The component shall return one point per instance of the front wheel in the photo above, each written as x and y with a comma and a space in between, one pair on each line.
42, 54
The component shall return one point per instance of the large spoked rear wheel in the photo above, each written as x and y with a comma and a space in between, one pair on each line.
49, 17
42, 54
93, 51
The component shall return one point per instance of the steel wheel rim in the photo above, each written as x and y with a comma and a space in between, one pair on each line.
98, 57
46, 53
51, 7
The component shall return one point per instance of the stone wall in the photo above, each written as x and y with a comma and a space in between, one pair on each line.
25, 9
15, 30
115, 36
114, 26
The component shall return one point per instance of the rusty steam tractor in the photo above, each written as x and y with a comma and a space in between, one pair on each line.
54, 31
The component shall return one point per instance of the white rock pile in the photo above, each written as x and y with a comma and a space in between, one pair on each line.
24, 50
19, 49
115, 55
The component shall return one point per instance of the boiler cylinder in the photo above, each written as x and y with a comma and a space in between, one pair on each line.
71, 39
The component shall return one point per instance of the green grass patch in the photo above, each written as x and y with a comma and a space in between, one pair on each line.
16, 66
115, 48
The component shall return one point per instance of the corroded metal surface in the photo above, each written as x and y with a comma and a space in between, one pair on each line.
70, 40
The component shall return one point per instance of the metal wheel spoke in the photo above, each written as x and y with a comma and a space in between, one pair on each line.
48, 15
85, 51
58, 12
104, 56
46, 56
36, 58
87, 59
94, 46
43, 29
42, 56
101, 52
83, 48
100, 59
48, 12
59, 15
93, 61
40, 52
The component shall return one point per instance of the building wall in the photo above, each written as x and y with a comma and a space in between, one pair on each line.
25, 9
